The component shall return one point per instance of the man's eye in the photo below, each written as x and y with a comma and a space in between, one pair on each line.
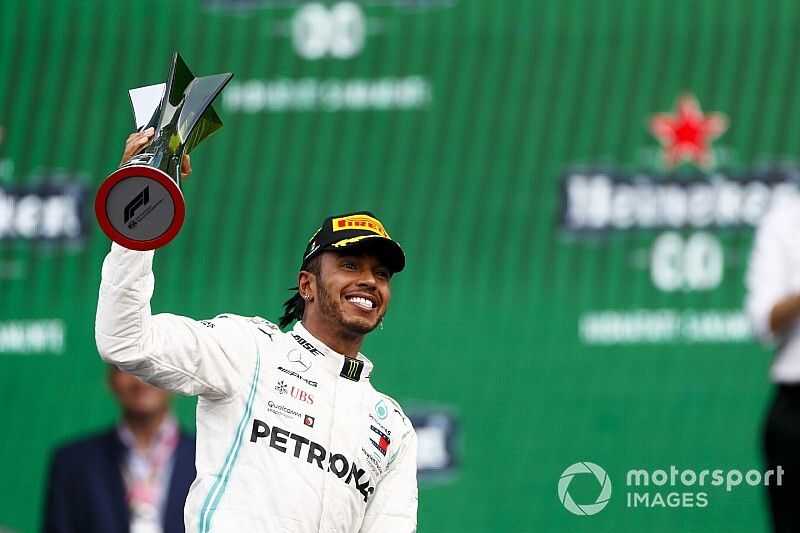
384, 274
349, 266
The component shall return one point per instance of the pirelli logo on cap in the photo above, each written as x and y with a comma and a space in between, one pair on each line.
362, 222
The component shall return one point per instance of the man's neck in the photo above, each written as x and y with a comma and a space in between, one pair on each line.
144, 428
345, 343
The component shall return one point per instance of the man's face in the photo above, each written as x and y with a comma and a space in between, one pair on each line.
353, 291
136, 397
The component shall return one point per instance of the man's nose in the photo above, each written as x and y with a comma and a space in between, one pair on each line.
366, 278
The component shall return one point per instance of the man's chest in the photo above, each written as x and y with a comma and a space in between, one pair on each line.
307, 418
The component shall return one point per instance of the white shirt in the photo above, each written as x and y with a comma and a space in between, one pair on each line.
147, 474
773, 274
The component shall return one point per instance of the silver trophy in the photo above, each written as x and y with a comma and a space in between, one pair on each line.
140, 205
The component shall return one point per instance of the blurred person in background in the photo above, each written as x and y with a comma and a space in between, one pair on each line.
773, 306
134, 477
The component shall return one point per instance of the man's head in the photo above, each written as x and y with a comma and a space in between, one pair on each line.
136, 398
350, 293
345, 272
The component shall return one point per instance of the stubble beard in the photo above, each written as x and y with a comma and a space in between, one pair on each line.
333, 310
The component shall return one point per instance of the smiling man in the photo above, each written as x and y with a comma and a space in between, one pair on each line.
358, 258
291, 435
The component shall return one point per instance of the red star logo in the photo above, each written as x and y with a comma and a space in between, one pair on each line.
686, 135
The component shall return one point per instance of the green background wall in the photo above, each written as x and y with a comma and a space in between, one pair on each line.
457, 122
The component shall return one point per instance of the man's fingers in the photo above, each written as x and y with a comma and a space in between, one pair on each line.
140, 137
186, 166
135, 143
137, 140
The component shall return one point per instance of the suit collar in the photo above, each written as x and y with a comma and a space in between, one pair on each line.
356, 368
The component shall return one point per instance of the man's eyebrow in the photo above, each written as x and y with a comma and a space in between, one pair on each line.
381, 262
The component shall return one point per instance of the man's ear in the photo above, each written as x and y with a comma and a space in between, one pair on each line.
306, 284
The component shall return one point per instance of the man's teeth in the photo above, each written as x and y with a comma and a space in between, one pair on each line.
360, 301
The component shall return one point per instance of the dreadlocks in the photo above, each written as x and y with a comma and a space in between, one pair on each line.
296, 305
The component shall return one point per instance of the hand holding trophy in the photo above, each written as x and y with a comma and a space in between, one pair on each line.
140, 205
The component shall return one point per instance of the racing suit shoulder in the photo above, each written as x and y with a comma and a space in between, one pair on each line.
398, 416
245, 322
259, 321
251, 323
260, 327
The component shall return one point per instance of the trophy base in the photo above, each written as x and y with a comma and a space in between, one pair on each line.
140, 207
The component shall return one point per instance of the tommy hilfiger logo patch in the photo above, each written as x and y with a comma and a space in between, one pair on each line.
383, 443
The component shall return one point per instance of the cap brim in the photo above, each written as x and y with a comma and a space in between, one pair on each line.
387, 249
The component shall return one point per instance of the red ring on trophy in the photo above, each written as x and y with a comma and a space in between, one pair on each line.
147, 172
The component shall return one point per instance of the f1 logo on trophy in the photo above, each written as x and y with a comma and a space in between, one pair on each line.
140, 205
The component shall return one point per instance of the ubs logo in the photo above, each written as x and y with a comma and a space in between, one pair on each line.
301, 395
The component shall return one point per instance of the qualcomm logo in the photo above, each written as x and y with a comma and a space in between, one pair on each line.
584, 468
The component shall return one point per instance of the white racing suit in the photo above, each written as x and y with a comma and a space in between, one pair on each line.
291, 436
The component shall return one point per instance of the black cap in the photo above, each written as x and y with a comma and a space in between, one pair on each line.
352, 232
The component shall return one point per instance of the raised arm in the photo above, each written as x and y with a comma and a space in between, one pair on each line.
173, 352
169, 351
